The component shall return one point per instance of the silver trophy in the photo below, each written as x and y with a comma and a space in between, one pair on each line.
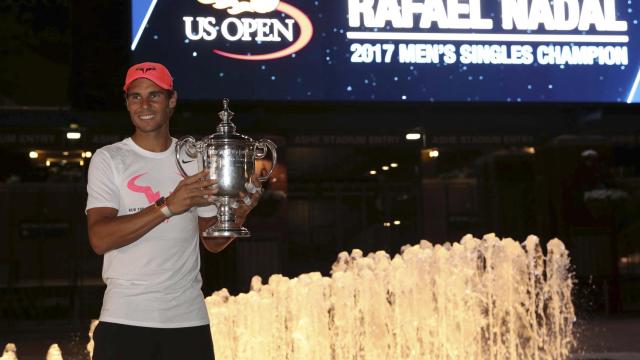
230, 158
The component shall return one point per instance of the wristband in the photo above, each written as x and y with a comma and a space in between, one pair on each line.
161, 204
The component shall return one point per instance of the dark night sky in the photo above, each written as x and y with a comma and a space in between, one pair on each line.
62, 53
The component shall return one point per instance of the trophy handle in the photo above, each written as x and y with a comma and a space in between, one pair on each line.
261, 151
190, 150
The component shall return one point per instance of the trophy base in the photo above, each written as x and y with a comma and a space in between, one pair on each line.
218, 232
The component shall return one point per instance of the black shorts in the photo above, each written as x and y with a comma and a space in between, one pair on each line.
123, 342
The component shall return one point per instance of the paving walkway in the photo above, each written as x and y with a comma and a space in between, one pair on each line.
598, 338
608, 337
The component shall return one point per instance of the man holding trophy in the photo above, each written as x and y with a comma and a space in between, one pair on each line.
145, 214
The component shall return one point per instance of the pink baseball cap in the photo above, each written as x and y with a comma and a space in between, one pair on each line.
155, 72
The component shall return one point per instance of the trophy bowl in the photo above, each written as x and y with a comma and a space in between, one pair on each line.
229, 158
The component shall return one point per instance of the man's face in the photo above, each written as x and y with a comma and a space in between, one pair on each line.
149, 105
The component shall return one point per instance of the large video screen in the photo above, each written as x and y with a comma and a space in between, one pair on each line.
394, 50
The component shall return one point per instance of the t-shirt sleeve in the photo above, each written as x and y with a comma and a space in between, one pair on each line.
207, 211
101, 185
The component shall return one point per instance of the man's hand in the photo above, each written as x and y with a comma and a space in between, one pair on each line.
248, 200
194, 190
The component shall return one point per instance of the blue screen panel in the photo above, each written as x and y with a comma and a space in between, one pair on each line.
581, 51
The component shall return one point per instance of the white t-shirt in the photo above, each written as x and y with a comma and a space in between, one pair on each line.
154, 281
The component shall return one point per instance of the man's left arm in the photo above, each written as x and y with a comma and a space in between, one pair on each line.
212, 244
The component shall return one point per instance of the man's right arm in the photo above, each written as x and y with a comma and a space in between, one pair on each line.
108, 231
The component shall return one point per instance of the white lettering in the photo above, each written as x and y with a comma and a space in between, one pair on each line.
566, 20
426, 53
206, 28
610, 17
541, 13
278, 29
582, 55
248, 26
233, 29
388, 10
238, 29
561, 15
458, 14
360, 7
188, 29
262, 31
410, 8
367, 53
514, 12
496, 54
591, 14
434, 11
454, 10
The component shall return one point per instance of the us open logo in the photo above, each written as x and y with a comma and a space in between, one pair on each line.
256, 22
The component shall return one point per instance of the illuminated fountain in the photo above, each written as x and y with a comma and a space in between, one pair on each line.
54, 353
10, 352
477, 299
